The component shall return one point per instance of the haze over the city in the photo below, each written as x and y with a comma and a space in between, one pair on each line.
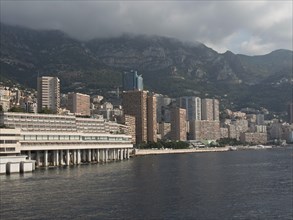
246, 27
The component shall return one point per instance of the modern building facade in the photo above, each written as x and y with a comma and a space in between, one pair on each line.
48, 93
132, 81
142, 105
53, 140
152, 118
178, 124
79, 103
207, 109
192, 105
163, 103
254, 137
129, 121
204, 130
208, 126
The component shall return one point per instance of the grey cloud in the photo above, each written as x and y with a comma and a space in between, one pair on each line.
219, 24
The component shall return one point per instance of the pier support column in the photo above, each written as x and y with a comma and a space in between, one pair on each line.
107, 154
29, 155
78, 157
89, 155
110, 154
45, 158
93, 154
56, 158
67, 158
121, 154
38, 160
103, 155
61, 160
98, 155
83, 156
74, 156
127, 153
124, 155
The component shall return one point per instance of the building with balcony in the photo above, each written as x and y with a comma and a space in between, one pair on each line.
48, 93
178, 124
142, 105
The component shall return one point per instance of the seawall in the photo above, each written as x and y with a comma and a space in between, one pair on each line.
141, 152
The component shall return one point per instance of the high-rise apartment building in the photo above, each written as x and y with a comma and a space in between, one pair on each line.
163, 103
132, 81
192, 105
208, 127
207, 109
143, 106
152, 118
129, 121
210, 109
178, 124
216, 110
78, 103
48, 93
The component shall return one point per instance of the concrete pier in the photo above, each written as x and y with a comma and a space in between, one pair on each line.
89, 155
16, 164
67, 157
98, 155
2, 168
38, 159
12, 167
29, 155
78, 159
61, 158
26, 166
45, 158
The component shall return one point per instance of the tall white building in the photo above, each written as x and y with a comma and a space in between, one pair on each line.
48, 93
192, 105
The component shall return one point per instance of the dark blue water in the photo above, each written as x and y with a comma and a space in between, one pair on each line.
229, 185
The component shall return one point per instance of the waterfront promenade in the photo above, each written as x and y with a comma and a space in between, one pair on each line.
141, 152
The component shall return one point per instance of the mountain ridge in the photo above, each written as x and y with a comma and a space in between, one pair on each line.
185, 68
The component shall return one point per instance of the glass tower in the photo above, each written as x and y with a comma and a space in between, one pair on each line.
132, 81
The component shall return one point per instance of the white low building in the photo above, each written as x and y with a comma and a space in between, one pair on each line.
11, 160
53, 140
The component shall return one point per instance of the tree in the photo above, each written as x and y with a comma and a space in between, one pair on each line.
16, 109
46, 110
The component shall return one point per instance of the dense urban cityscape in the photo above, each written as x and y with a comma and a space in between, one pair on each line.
146, 110
57, 129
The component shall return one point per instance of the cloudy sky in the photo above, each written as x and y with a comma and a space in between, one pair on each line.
249, 27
